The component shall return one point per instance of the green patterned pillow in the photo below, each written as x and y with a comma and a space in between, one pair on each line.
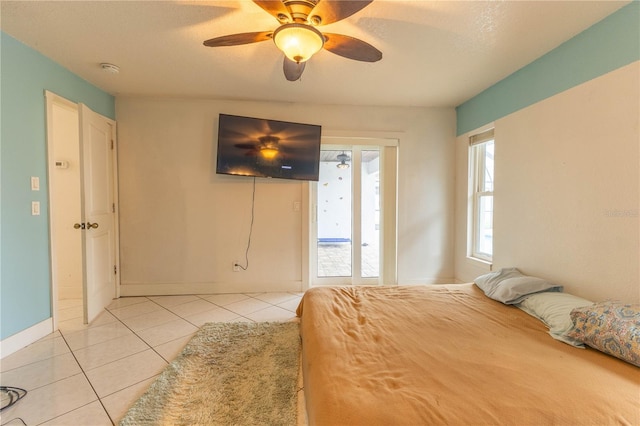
611, 327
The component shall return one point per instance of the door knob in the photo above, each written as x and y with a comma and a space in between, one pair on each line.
78, 225
91, 225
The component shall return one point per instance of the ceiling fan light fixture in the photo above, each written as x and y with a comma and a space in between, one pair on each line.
269, 153
298, 42
269, 146
343, 161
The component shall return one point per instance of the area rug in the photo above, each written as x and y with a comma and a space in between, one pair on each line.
228, 374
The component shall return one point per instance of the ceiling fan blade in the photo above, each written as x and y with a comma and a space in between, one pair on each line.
292, 70
331, 11
275, 8
237, 39
245, 145
351, 48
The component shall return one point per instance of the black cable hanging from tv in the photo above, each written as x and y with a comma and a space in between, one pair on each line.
253, 207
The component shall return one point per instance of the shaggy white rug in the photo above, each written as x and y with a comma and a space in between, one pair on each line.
228, 374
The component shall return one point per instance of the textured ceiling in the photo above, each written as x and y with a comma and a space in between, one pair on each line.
435, 53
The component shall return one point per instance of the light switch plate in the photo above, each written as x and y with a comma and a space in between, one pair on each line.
35, 208
35, 183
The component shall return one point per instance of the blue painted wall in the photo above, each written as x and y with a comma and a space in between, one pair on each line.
608, 45
24, 239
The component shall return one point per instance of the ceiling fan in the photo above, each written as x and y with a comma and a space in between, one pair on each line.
267, 147
297, 36
272, 142
343, 158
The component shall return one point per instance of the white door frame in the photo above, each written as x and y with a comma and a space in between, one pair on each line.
51, 99
388, 143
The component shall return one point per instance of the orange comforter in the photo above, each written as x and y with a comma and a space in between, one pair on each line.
447, 354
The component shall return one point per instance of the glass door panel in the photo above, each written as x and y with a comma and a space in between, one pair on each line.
334, 215
348, 213
370, 214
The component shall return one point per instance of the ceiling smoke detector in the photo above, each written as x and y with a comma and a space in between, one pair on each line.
113, 69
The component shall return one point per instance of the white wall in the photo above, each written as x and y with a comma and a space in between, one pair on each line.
182, 225
567, 190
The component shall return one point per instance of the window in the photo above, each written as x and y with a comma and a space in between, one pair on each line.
481, 148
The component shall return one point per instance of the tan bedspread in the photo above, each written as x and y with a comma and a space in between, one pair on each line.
447, 354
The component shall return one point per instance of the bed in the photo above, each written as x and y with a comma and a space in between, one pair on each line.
448, 354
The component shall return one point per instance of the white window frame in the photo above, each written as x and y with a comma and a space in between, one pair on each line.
477, 191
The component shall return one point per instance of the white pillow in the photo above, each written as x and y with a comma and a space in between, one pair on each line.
510, 286
490, 281
554, 310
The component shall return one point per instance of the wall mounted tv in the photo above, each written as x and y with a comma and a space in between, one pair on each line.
268, 148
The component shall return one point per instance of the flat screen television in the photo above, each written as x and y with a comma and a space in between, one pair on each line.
268, 148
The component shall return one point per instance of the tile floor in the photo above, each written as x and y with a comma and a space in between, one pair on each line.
90, 375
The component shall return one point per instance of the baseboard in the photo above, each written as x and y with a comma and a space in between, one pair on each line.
430, 281
26, 337
171, 289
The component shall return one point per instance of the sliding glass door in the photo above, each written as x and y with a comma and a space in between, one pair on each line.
347, 243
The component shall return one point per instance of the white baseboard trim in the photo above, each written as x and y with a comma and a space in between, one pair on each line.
171, 289
430, 281
26, 337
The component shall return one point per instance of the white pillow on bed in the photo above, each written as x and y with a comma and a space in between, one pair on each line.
510, 286
488, 282
554, 310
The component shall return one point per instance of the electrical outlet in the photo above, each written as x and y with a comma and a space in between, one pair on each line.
236, 266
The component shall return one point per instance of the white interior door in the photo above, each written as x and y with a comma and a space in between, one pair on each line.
63, 150
97, 135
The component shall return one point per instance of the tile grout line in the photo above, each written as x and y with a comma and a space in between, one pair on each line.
35, 361
168, 362
140, 337
85, 373
244, 316
170, 311
181, 317
217, 306
88, 381
144, 341
208, 301
64, 334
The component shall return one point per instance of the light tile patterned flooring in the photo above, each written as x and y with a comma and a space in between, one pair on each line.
90, 375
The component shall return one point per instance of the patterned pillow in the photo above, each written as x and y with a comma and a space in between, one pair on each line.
611, 327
